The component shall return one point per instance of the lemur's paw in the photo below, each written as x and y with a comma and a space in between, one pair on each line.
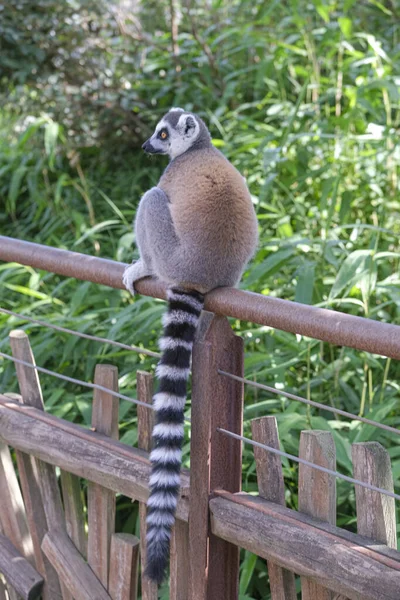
129, 278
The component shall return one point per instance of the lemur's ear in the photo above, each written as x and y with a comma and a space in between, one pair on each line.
187, 124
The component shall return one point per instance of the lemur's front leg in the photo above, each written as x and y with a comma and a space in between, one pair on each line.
133, 273
155, 237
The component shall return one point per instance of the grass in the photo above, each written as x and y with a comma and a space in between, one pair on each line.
303, 99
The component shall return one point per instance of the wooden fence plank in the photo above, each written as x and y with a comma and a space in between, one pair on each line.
71, 567
376, 514
271, 487
28, 379
82, 452
31, 392
18, 572
317, 493
12, 513
145, 426
179, 571
123, 578
215, 459
74, 510
9, 592
101, 501
37, 523
337, 559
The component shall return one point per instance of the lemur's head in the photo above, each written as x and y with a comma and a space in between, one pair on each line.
176, 133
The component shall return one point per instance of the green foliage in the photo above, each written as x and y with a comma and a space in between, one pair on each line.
303, 97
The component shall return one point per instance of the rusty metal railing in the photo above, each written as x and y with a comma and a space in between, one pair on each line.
327, 325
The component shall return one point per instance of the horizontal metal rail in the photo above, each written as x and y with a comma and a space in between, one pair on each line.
319, 323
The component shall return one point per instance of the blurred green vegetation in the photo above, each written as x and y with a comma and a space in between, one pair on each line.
303, 97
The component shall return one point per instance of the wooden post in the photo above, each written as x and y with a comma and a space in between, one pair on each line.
45, 510
317, 493
271, 487
29, 479
376, 515
101, 501
71, 567
4, 587
18, 572
12, 512
123, 578
145, 418
74, 510
215, 458
179, 569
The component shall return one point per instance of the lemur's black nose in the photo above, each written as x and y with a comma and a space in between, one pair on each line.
147, 147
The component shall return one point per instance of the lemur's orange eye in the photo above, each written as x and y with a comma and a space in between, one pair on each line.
163, 135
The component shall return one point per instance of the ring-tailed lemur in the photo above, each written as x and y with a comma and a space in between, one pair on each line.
196, 231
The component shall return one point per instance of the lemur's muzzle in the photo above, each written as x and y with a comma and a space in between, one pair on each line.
147, 147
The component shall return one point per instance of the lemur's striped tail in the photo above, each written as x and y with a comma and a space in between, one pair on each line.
180, 324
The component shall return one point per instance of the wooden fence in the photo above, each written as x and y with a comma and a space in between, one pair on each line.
59, 543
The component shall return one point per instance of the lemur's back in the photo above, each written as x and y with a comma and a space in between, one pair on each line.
212, 212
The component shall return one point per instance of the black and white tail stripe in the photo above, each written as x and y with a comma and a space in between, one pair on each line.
180, 324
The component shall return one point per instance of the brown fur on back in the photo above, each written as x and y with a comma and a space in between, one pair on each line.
210, 205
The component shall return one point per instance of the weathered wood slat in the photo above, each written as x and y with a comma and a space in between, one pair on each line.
6, 588
145, 427
317, 493
30, 468
18, 572
74, 510
271, 487
215, 459
179, 570
71, 567
28, 379
101, 501
123, 578
334, 558
37, 523
376, 513
84, 453
12, 512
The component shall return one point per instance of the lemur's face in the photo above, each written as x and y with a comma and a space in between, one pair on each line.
174, 134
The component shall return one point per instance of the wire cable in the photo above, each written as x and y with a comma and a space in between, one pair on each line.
92, 386
95, 386
272, 390
86, 336
302, 461
337, 411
